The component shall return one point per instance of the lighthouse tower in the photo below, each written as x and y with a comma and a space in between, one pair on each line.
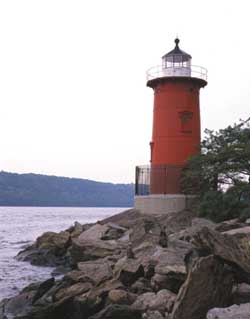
176, 132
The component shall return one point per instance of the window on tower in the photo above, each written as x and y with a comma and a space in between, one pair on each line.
186, 121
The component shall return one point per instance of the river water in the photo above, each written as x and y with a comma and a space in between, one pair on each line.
20, 226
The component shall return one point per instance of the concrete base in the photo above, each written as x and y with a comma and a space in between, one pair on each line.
163, 204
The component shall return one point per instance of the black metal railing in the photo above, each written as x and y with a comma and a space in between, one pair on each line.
158, 179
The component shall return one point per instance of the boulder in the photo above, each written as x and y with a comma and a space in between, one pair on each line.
170, 270
122, 297
49, 250
229, 248
238, 232
75, 276
141, 286
128, 270
113, 232
42, 288
76, 230
233, 312
162, 301
19, 305
98, 270
145, 230
241, 293
72, 291
97, 296
229, 225
125, 219
57, 242
208, 285
90, 246
117, 312
152, 315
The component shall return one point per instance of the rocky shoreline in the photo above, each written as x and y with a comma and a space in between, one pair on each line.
132, 266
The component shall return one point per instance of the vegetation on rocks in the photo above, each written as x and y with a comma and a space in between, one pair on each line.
220, 173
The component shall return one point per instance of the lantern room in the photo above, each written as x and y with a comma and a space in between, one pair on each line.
176, 62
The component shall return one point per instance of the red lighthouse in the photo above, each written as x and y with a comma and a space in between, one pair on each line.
176, 122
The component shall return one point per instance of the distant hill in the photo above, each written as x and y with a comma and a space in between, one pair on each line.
43, 190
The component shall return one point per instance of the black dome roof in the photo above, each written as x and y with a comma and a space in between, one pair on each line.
177, 54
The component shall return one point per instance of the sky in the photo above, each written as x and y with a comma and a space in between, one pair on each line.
73, 95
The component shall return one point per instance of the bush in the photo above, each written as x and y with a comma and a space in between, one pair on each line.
219, 206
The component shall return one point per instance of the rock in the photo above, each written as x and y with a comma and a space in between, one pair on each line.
141, 286
75, 276
57, 242
43, 288
145, 229
117, 312
171, 268
76, 230
233, 250
188, 233
241, 293
153, 315
19, 305
128, 270
175, 222
229, 225
113, 232
208, 285
96, 297
122, 297
162, 301
238, 232
98, 270
125, 219
90, 246
72, 291
199, 223
233, 312
49, 250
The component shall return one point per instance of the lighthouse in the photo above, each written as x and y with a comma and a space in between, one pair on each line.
176, 136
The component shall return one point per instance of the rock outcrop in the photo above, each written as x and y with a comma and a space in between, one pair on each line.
130, 266
233, 312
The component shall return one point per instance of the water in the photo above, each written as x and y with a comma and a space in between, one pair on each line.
20, 226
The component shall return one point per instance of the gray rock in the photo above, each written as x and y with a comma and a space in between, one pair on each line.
238, 232
98, 270
113, 232
162, 301
122, 297
90, 246
208, 285
241, 293
233, 250
72, 291
153, 315
229, 225
117, 312
233, 312
128, 270
141, 286
49, 250
20, 305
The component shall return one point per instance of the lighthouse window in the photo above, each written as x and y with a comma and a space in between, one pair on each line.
186, 121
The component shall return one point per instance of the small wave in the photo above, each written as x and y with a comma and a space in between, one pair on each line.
21, 242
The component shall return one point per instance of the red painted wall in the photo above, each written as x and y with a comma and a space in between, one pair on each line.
176, 126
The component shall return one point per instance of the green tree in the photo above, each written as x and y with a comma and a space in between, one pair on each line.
220, 173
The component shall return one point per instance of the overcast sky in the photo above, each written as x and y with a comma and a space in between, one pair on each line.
73, 98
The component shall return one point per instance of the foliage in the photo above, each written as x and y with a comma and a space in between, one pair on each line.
220, 173
43, 190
